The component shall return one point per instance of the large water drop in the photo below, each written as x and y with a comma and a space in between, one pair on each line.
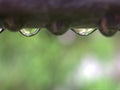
28, 32
83, 31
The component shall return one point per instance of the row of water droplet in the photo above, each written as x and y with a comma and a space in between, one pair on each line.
108, 26
28, 32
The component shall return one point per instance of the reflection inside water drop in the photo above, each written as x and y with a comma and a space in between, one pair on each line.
28, 32
83, 31
1, 30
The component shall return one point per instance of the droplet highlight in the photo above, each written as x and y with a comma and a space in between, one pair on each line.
28, 32
1, 30
83, 31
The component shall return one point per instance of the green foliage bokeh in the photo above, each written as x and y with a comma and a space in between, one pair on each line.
42, 62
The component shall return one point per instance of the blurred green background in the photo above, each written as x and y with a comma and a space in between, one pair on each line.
66, 62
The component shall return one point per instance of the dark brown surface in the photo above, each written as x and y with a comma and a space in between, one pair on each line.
37, 13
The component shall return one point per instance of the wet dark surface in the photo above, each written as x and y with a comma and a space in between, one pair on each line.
39, 13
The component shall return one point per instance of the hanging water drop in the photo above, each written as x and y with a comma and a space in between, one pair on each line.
108, 26
1, 30
13, 24
83, 31
28, 32
57, 27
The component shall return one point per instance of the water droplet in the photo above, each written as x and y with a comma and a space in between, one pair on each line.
57, 27
106, 28
1, 30
13, 24
28, 32
83, 31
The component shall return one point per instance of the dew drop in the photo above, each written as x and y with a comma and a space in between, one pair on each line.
13, 24
28, 32
1, 30
83, 31
106, 28
57, 27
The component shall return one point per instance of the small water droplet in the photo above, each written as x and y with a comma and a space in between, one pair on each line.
13, 24
1, 30
28, 32
57, 27
107, 27
83, 31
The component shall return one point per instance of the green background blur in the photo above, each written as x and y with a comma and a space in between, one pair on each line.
48, 62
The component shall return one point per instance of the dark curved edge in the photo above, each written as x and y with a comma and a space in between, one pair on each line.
37, 13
